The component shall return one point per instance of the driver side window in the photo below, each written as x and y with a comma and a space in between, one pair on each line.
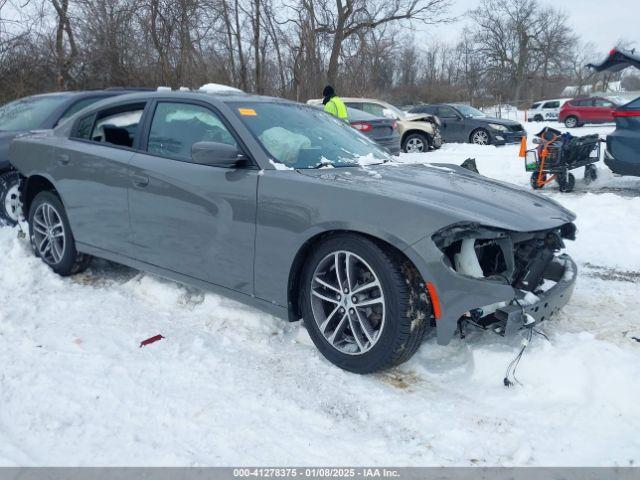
447, 112
177, 126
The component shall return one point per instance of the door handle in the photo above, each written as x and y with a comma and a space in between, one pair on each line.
62, 159
140, 180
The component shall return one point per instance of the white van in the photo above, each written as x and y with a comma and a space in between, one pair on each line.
545, 110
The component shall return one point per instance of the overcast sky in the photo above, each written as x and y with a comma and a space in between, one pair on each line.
602, 22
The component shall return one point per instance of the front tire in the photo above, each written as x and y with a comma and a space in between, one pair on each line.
364, 308
571, 121
10, 197
51, 236
480, 136
416, 143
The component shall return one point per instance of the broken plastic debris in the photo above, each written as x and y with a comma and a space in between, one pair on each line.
151, 340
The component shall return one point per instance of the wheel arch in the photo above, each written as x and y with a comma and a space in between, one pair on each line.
33, 185
418, 131
297, 266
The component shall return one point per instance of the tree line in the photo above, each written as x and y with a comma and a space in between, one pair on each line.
514, 50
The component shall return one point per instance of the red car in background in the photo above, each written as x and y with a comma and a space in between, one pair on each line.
579, 111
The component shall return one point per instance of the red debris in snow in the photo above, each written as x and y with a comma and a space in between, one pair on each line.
151, 340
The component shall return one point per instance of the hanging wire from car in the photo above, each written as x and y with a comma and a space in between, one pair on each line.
510, 378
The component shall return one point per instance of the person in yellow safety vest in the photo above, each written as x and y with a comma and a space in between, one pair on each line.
333, 104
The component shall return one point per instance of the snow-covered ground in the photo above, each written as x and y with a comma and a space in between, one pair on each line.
233, 386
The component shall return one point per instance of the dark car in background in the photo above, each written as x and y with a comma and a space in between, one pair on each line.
383, 131
622, 155
579, 111
462, 123
38, 112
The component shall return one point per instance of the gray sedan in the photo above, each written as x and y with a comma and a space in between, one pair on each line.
283, 207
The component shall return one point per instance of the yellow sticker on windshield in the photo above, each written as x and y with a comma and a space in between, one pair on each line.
248, 112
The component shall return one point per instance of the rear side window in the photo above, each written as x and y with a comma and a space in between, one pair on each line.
177, 126
551, 105
534, 106
421, 109
115, 125
586, 102
354, 105
374, 109
601, 102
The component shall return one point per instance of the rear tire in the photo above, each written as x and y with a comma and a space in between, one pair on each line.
9, 198
51, 236
397, 314
538, 118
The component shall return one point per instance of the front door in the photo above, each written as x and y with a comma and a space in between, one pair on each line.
452, 124
196, 220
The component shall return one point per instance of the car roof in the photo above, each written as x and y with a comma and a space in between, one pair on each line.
87, 93
552, 100
222, 96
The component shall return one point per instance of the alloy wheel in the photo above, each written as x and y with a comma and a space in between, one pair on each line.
347, 302
481, 138
48, 234
415, 145
12, 203
571, 122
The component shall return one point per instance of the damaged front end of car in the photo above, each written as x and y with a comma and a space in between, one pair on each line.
524, 274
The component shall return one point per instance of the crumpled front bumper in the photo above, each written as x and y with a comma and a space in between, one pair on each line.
460, 295
513, 316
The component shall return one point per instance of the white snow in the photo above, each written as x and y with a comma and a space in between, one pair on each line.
229, 385
219, 88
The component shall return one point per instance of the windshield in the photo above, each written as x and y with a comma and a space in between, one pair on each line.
299, 136
467, 111
28, 113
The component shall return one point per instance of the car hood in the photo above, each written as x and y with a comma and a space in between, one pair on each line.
460, 195
499, 121
421, 117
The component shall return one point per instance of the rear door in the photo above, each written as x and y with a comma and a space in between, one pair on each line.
603, 111
92, 175
193, 219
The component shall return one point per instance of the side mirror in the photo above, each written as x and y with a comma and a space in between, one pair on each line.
215, 154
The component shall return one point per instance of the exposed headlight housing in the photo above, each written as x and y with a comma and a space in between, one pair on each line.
500, 128
516, 258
